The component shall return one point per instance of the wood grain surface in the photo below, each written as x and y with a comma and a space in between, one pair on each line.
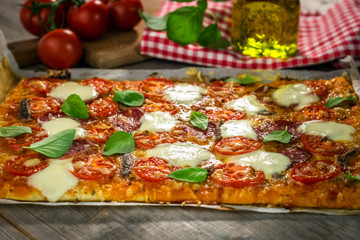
79, 222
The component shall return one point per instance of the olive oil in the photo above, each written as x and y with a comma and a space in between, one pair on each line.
266, 28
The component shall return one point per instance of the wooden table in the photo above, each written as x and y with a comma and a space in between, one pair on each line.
79, 222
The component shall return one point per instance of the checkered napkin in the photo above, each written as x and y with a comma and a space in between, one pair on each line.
322, 38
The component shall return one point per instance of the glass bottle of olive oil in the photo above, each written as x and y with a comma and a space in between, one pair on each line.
265, 28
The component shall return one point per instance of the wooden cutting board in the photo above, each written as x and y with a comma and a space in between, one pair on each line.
114, 49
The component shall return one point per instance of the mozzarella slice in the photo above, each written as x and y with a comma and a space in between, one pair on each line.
157, 121
294, 94
332, 130
268, 162
60, 124
55, 180
184, 93
235, 128
248, 103
66, 89
180, 154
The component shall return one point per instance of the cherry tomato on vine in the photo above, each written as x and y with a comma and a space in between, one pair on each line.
124, 13
60, 49
90, 20
31, 22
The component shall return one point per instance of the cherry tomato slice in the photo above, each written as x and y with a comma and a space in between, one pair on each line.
310, 113
161, 105
127, 85
315, 171
41, 85
221, 114
153, 169
148, 140
100, 85
236, 146
99, 132
323, 146
102, 108
226, 91
154, 87
27, 164
41, 105
317, 87
237, 176
17, 143
93, 167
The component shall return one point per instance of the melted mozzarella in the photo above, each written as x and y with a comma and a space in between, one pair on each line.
157, 121
294, 94
55, 180
60, 124
268, 162
180, 154
249, 104
235, 128
332, 130
184, 93
66, 89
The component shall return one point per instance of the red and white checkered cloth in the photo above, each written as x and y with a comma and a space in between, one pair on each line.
322, 38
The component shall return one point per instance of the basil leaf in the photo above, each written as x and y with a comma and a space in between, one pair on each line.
199, 120
119, 142
202, 4
13, 131
154, 23
349, 176
129, 97
280, 136
185, 24
190, 174
334, 101
75, 107
211, 37
246, 80
55, 145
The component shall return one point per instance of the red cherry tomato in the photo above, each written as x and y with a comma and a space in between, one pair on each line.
93, 167
31, 22
124, 14
236, 145
100, 85
310, 113
148, 140
315, 171
99, 132
221, 114
42, 105
41, 85
237, 176
26, 165
323, 146
153, 169
90, 20
160, 105
60, 49
226, 91
317, 87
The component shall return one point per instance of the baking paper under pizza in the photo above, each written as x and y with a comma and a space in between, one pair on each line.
237, 140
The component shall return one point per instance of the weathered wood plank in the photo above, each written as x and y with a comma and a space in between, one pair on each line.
10, 232
175, 223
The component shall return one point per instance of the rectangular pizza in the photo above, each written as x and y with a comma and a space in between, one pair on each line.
235, 140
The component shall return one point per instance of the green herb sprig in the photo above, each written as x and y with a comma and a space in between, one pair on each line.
280, 136
199, 120
190, 174
13, 131
332, 102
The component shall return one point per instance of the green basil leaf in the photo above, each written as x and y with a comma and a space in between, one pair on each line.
199, 120
334, 101
246, 80
119, 142
13, 131
211, 37
185, 24
280, 136
75, 107
56, 145
349, 176
129, 97
154, 23
190, 174
202, 4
